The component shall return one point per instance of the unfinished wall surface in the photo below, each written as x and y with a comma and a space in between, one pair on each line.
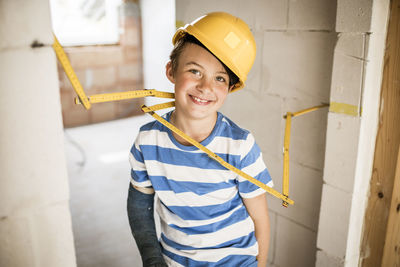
35, 222
352, 125
106, 69
293, 67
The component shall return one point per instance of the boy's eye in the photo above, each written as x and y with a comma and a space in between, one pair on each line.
194, 71
221, 79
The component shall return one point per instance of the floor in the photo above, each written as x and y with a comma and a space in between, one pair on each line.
99, 173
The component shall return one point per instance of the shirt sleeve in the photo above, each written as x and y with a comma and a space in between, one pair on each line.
253, 164
139, 176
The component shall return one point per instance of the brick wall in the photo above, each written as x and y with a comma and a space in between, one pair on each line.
106, 69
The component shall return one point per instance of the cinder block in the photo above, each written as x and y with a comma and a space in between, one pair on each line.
131, 72
312, 14
258, 14
274, 165
354, 16
52, 230
295, 244
308, 131
23, 24
254, 78
16, 242
305, 187
272, 239
347, 77
187, 11
260, 114
351, 44
341, 151
325, 260
31, 146
334, 221
298, 64
264, 14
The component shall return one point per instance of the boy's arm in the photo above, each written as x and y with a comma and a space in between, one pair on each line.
141, 219
257, 208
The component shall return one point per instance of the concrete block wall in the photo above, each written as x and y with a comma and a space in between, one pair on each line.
351, 132
35, 221
293, 69
106, 69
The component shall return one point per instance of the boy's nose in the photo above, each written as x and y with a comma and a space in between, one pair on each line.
205, 84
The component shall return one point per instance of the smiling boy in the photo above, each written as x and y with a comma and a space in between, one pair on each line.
209, 216
201, 86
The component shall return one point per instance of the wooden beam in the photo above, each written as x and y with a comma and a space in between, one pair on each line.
386, 149
391, 251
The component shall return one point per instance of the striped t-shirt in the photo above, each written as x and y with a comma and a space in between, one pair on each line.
203, 219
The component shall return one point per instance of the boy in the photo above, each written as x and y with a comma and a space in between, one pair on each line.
209, 215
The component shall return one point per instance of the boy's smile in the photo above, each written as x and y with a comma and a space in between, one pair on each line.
201, 84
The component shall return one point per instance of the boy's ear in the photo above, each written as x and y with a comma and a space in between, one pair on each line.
169, 72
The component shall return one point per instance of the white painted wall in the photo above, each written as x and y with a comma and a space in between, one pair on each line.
35, 222
292, 71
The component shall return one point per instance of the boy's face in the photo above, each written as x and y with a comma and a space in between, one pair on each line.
201, 83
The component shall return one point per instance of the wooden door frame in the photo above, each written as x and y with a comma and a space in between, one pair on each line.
386, 153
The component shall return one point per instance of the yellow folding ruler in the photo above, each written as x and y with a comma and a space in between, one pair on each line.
87, 101
62, 57
286, 144
126, 95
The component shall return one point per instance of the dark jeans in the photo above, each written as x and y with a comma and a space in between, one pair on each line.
141, 220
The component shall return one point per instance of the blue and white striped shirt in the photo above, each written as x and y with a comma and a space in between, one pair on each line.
203, 219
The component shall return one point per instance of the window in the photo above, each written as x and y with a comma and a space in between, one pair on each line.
85, 22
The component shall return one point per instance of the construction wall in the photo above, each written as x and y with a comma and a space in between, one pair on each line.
292, 71
35, 221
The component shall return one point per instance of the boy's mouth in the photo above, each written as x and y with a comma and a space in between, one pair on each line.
199, 101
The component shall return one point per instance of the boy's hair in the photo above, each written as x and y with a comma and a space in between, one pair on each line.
180, 45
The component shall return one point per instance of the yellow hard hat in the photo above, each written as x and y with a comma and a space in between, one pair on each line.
228, 38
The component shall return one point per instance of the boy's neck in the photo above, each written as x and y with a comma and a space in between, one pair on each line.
198, 129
